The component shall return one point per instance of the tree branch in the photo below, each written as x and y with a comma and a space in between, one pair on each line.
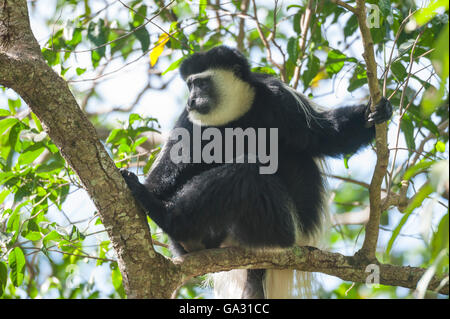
345, 5
350, 268
372, 228
147, 274
23, 69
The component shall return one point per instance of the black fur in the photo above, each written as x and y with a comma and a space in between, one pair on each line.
220, 57
201, 205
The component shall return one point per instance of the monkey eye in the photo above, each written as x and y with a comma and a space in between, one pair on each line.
189, 83
201, 82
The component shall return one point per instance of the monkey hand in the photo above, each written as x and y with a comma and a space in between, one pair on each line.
382, 113
154, 207
133, 182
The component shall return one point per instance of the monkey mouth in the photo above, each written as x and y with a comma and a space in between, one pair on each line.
199, 108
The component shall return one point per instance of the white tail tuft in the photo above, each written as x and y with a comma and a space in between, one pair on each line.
229, 284
288, 284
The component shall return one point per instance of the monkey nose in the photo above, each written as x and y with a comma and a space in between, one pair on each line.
191, 104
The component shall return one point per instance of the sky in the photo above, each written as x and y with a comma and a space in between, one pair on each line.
121, 88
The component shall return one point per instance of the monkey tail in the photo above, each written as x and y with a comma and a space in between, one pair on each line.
270, 283
288, 284
264, 283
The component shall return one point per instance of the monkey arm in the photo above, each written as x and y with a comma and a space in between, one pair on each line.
345, 130
148, 201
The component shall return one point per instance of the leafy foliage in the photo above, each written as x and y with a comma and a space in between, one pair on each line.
316, 49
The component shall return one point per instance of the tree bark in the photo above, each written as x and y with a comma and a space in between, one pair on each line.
146, 274
373, 225
23, 69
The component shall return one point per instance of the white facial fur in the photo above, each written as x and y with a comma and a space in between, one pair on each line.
235, 97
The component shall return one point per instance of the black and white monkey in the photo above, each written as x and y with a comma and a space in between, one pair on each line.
214, 204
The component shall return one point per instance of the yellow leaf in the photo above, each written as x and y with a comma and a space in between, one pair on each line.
158, 49
320, 76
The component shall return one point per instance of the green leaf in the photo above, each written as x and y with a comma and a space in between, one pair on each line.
265, 70
33, 236
53, 235
407, 128
50, 56
173, 66
385, 7
31, 153
311, 71
76, 37
139, 15
419, 167
3, 194
7, 123
13, 222
351, 26
358, 79
296, 22
56, 162
335, 61
103, 249
95, 58
4, 112
346, 159
16, 260
134, 117
14, 104
151, 160
116, 277
138, 142
80, 71
293, 50
117, 136
37, 122
440, 237
440, 146
124, 148
424, 15
440, 58
143, 37
202, 9
3, 277
378, 34
416, 202
98, 35
399, 70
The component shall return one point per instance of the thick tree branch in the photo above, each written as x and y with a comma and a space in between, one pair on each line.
351, 268
146, 274
372, 228
23, 69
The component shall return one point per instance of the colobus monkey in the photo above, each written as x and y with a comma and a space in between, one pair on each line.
208, 204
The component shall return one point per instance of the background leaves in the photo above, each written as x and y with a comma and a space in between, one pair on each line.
314, 46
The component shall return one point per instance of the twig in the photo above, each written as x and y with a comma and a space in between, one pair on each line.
121, 37
304, 25
267, 45
345, 5
372, 227
241, 33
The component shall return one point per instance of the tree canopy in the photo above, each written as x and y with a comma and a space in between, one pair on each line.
97, 85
